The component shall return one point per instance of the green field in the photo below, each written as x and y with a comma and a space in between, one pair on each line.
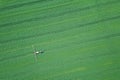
81, 39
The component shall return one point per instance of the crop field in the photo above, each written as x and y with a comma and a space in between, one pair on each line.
80, 39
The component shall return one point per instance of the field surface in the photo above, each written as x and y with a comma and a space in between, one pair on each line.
80, 39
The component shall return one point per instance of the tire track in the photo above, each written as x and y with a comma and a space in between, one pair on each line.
56, 15
63, 46
62, 30
21, 5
